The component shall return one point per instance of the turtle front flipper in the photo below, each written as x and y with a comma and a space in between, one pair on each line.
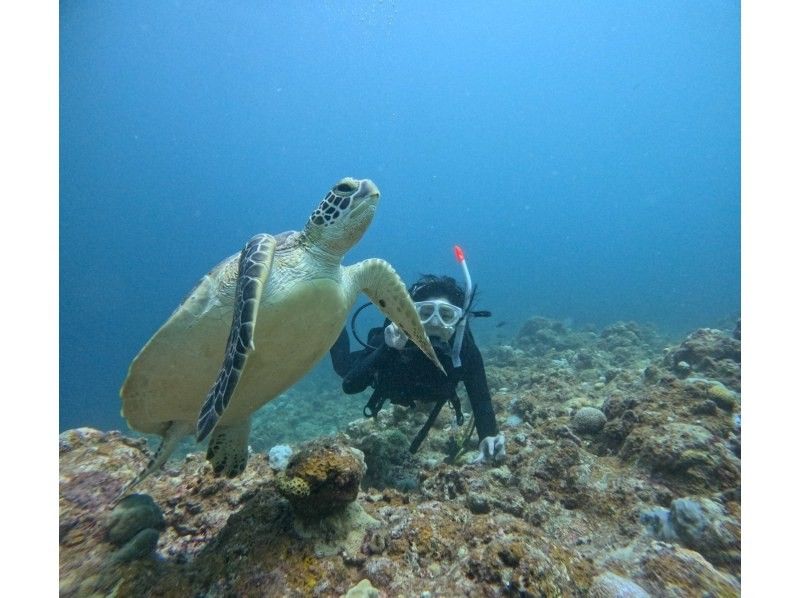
255, 263
378, 280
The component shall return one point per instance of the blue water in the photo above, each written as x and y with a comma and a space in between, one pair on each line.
585, 155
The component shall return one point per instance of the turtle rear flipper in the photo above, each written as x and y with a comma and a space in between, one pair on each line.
227, 449
254, 267
175, 432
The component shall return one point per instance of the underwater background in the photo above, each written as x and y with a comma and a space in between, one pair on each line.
584, 154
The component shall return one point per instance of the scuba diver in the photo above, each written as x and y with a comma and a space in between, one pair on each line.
400, 372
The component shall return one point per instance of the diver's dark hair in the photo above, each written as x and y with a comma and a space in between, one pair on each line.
430, 285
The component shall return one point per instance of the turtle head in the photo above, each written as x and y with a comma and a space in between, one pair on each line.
343, 215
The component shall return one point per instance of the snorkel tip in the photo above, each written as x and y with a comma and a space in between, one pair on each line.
467, 300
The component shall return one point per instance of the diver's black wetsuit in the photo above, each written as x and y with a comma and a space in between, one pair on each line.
407, 376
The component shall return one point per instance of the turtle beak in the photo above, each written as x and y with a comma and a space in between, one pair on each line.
367, 191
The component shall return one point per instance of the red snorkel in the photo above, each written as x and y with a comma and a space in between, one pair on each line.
462, 325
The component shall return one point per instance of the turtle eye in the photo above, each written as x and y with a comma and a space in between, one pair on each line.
345, 187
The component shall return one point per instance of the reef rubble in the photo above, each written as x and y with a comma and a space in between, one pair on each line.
622, 478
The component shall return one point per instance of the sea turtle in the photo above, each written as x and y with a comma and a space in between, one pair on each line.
280, 303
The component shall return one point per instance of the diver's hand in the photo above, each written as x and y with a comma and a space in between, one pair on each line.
394, 337
492, 449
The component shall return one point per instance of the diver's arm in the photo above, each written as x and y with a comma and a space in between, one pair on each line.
364, 367
474, 377
341, 358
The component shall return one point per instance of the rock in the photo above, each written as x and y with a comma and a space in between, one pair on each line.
700, 524
588, 420
682, 369
540, 335
340, 531
552, 463
690, 518
141, 545
610, 585
626, 333
712, 390
380, 570
658, 522
707, 407
321, 478
584, 360
477, 503
279, 457
615, 405
133, 514
711, 352
690, 459
723, 397
537, 572
616, 431
704, 526
503, 356
652, 374
667, 570
705, 345
363, 589
385, 453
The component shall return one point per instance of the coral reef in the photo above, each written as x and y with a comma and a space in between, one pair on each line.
622, 478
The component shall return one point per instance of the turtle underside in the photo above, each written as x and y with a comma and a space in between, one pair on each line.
299, 318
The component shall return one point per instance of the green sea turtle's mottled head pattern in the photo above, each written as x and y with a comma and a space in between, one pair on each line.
343, 215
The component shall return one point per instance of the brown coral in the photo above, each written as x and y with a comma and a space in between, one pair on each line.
322, 477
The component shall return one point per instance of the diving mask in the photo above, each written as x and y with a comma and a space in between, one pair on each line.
438, 317
447, 313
